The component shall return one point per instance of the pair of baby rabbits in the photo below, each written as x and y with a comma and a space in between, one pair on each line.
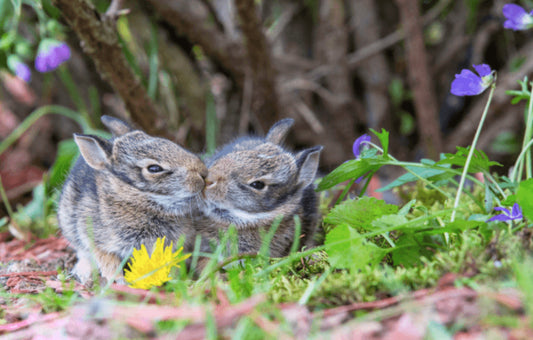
134, 188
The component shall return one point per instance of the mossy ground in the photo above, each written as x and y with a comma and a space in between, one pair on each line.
258, 297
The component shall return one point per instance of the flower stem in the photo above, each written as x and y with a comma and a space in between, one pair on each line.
471, 153
526, 143
345, 191
529, 132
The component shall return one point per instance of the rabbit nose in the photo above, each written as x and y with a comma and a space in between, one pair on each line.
203, 173
201, 178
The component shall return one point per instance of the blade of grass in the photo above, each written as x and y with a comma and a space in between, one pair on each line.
313, 285
210, 125
35, 115
297, 233
153, 58
264, 251
516, 175
72, 89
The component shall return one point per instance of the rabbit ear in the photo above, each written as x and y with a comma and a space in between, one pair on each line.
307, 161
279, 131
116, 126
95, 150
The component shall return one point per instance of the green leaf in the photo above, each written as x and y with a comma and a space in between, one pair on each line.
360, 213
125, 41
479, 163
388, 221
35, 209
50, 9
524, 197
407, 253
457, 226
354, 168
427, 173
6, 40
383, 137
522, 94
3, 221
407, 207
489, 198
509, 200
347, 249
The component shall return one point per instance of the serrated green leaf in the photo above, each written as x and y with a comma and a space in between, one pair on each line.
383, 137
407, 253
479, 163
388, 221
509, 200
347, 249
360, 213
354, 168
524, 197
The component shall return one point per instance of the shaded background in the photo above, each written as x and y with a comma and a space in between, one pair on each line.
201, 72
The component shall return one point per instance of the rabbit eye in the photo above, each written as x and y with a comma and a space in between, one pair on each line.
154, 168
257, 185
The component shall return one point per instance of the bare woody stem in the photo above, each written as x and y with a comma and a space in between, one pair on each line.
99, 40
215, 44
424, 96
264, 99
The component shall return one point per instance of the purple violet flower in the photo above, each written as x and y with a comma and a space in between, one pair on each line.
508, 215
359, 144
50, 55
517, 17
17, 66
467, 83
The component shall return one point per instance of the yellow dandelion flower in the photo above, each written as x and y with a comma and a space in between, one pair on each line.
148, 271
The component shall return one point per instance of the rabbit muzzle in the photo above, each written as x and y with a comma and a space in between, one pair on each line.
196, 183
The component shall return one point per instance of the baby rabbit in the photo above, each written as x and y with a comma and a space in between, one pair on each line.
254, 180
125, 192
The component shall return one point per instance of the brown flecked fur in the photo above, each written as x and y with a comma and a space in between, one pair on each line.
116, 198
230, 196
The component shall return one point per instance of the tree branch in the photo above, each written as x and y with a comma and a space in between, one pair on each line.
265, 99
99, 40
374, 71
331, 49
418, 72
226, 53
355, 58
